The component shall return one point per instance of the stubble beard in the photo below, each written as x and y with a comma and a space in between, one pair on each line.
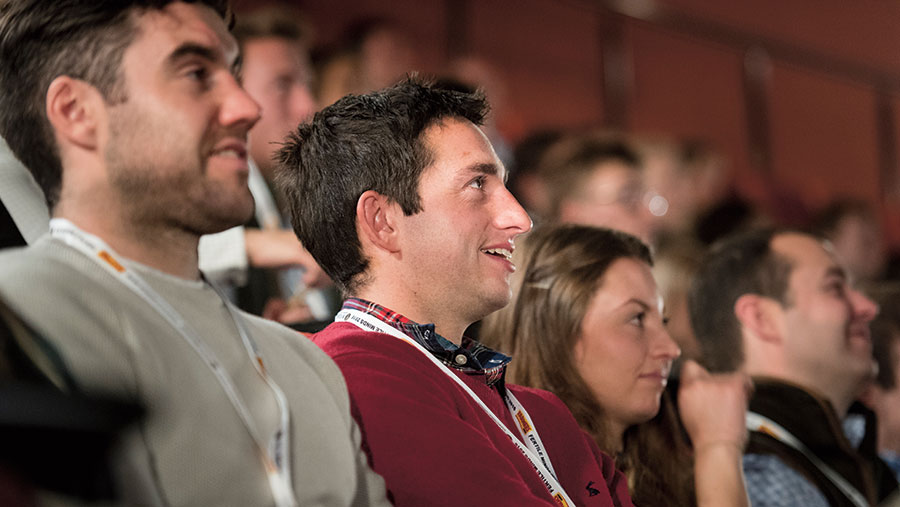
153, 196
156, 191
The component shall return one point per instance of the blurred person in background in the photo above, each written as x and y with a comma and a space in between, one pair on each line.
276, 72
484, 76
525, 179
595, 179
373, 54
778, 305
676, 259
855, 233
689, 174
883, 395
586, 323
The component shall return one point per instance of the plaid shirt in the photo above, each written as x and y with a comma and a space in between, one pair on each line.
470, 357
772, 483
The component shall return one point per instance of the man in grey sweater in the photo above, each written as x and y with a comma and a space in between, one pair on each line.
133, 123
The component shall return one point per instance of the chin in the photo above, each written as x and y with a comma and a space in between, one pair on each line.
497, 303
224, 220
648, 412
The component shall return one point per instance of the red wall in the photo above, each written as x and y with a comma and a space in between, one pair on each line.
831, 64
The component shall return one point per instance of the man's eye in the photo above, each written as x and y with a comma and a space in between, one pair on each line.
198, 73
283, 85
836, 288
477, 183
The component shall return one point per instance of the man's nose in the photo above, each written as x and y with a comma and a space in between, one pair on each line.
863, 307
238, 107
511, 214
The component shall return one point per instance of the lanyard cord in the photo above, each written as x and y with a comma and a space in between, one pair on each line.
534, 451
762, 424
275, 456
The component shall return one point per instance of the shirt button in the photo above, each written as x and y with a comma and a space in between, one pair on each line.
461, 359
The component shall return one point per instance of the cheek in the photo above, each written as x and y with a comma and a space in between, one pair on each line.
604, 365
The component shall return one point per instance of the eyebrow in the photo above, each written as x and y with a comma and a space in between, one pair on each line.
639, 302
836, 271
489, 169
205, 52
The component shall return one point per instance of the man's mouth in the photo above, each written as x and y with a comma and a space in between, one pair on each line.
499, 252
229, 152
230, 148
861, 333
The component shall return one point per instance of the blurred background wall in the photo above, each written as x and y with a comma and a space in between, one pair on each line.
802, 97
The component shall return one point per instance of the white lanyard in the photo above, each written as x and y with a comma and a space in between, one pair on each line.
762, 424
275, 456
534, 451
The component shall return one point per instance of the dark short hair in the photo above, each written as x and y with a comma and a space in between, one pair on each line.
360, 143
743, 263
829, 218
279, 21
41, 40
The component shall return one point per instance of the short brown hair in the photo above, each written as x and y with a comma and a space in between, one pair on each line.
362, 142
739, 264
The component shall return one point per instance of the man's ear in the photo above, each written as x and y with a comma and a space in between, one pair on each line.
375, 219
73, 108
758, 314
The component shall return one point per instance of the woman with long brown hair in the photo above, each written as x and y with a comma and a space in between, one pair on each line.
585, 322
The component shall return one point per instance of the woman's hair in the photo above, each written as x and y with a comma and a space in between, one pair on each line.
560, 267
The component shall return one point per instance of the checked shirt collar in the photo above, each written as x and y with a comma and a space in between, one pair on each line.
470, 357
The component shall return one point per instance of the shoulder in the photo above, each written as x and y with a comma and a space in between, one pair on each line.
284, 337
48, 266
348, 344
379, 364
770, 482
51, 282
288, 348
92, 321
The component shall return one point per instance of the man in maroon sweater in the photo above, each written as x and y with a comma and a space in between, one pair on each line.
401, 199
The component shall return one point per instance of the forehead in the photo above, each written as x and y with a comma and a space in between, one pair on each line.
809, 257
612, 173
625, 279
459, 146
162, 31
273, 52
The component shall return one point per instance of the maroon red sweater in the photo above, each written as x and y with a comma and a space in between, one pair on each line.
435, 446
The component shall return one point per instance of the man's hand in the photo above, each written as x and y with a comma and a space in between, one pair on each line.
281, 249
713, 407
287, 312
